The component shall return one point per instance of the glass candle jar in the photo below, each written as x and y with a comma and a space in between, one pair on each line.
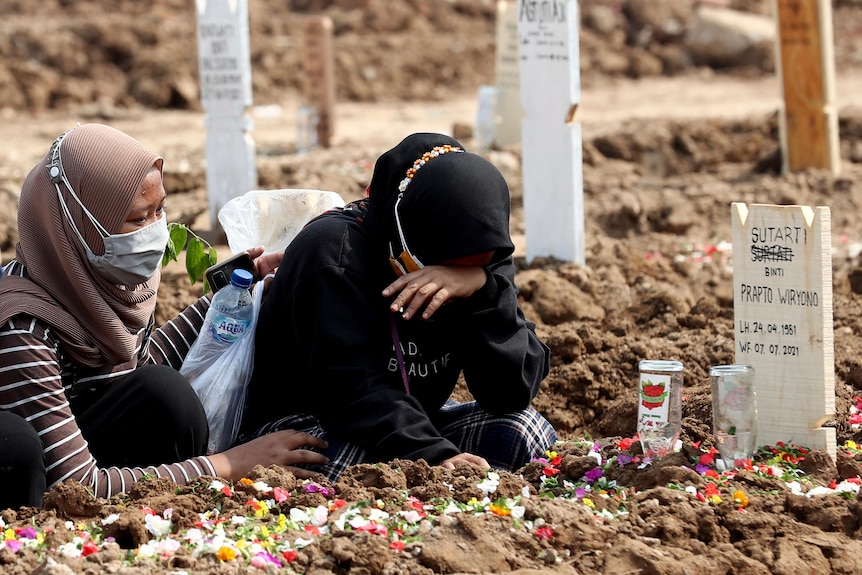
734, 412
660, 386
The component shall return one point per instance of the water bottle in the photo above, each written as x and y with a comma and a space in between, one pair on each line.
220, 384
231, 310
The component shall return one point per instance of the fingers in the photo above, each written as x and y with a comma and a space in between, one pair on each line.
302, 473
481, 462
415, 295
293, 455
295, 439
406, 290
266, 264
441, 297
303, 456
432, 287
466, 459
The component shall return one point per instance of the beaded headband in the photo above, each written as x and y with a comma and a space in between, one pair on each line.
406, 262
426, 157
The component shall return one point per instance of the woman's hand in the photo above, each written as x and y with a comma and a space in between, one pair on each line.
433, 286
265, 264
278, 448
465, 458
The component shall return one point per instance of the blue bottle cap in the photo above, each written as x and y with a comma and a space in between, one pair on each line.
241, 278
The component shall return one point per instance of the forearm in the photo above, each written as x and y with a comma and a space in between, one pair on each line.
504, 360
170, 343
31, 386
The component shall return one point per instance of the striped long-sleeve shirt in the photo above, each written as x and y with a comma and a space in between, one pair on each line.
37, 382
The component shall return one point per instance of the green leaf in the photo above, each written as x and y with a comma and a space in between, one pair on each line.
197, 259
199, 253
176, 242
213, 259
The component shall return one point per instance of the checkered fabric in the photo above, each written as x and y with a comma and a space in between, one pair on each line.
507, 441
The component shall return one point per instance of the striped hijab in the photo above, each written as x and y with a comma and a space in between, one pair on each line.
98, 323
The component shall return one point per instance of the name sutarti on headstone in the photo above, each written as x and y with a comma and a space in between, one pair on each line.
225, 73
552, 159
782, 304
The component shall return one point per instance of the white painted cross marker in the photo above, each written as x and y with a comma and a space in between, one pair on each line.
509, 111
782, 308
225, 74
551, 140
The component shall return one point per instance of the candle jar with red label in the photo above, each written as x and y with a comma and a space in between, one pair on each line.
660, 388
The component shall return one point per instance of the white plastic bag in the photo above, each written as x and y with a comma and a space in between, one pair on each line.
221, 383
272, 218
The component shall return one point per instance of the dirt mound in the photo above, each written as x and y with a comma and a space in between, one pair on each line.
657, 283
61, 55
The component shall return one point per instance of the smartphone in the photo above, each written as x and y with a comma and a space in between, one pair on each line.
218, 276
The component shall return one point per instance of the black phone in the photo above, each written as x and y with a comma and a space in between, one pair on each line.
218, 275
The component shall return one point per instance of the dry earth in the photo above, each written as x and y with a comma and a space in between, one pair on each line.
670, 141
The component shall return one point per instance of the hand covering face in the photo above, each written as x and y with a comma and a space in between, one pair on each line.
98, 322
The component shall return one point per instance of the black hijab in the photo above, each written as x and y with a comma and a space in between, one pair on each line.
456, 205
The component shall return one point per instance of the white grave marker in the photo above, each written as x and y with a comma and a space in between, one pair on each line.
485, 131
509, 111
782, 307
551, 141
225, 73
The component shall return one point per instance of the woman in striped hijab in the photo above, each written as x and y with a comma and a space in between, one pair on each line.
89, 387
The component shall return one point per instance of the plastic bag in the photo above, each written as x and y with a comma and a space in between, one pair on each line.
221, 382
272, 218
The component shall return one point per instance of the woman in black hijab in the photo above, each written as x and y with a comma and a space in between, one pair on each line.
379, 307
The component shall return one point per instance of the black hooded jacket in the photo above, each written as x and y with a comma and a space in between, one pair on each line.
324, 342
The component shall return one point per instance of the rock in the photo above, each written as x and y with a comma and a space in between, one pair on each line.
52, 567
726, 38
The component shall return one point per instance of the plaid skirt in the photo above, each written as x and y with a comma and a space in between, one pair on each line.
507, 441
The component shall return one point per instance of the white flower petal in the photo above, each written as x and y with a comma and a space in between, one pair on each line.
109, 519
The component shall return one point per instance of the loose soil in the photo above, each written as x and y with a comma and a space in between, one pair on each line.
669, 143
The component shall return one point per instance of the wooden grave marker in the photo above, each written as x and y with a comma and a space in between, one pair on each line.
806, 68
319, 67
509, 111
782, 307
225, 75
552, 154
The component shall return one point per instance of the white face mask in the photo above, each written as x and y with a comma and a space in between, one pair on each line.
129, 259
133, 258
